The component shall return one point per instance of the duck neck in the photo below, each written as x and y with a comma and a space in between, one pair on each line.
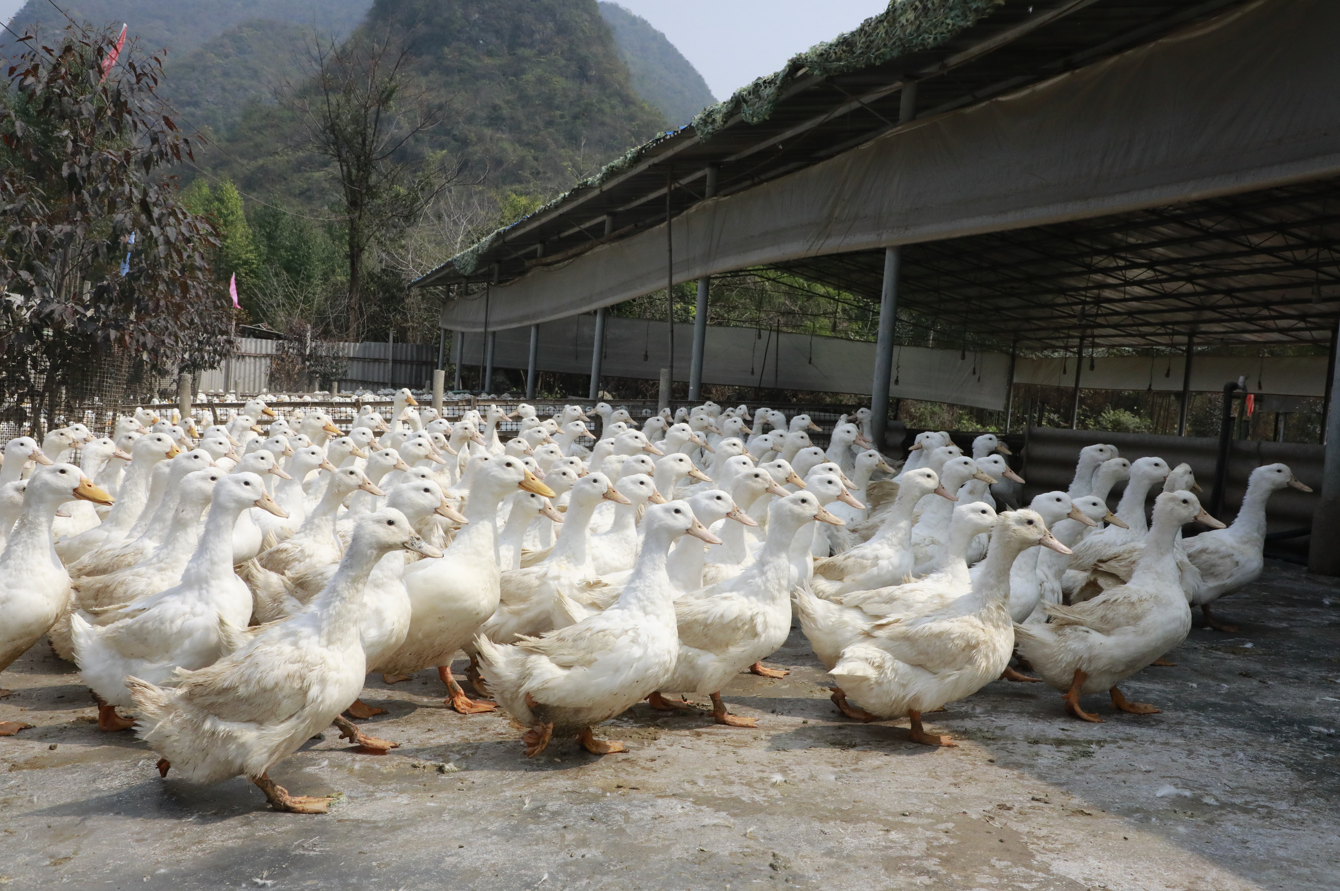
340, 604
182, 533
1083, 480
133, 497
322, 519
897, 526
1250, 522
12, 469
773, 566
478, 539
1158, 559
994, 577
213, 557
649, 587
1131, 510
860, 477
514, 532
571, 544
31, 537
955, 551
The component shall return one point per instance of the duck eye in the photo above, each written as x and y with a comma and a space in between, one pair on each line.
1030, 522
390, 522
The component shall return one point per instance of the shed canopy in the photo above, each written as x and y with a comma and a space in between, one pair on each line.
1132, 170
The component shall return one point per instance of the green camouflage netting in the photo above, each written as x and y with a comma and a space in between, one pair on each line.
907, 26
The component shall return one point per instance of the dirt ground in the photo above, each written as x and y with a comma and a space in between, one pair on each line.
1232, 787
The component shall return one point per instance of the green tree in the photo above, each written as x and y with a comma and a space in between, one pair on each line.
86, 185
237, 253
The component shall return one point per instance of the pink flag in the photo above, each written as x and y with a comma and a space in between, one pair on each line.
108, 62
232, 290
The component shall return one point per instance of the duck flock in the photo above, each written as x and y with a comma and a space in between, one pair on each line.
225, 588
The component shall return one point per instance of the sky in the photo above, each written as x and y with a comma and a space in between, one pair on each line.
730, 41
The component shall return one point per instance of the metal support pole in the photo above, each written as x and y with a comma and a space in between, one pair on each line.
1225, 445
700, 312
441, 345
888, 322
530, 362
390, 358
669, 278
597, 354
457, 353
1185, 407
439, 385
1323, 555
489, 341
664, 401
1009, 388
1079, 367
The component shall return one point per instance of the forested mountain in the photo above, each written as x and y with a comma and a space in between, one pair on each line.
661, 74
182, 25
535, 92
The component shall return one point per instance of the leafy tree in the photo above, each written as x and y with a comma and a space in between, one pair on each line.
237, 253
362, 112
85, 166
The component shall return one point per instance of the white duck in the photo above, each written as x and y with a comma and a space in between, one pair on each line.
1232, 558
251, 709
1106, 543
574, 678
727, 627
910, 665
34, 586
833, 625
523, 509
1090, 457
18, 452
1093, 646
887, 558
615, 549
187, 626
134, 495
451, 596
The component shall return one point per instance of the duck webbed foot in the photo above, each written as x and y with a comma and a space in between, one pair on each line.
458, 700
1217, 626
388, 678
537, 738
1163, 663
721, 716
280, 800
366, 745
598, 746
1120, 703
1009, 674
763, 671
661, 704
1071, 699
474, 677
362, 710
854, 712
918, 734
110, 722
163, 766
9, 728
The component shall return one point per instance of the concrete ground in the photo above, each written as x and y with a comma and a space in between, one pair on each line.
1232, 787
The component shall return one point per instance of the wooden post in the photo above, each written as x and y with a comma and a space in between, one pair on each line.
184, 396
664, 395
1079, 366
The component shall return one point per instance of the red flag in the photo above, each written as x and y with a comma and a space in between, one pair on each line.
108, 62
232, 290
1251, 404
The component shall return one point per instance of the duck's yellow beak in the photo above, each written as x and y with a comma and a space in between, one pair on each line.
1079, 516
1114, 520
266, 503
86, 491
532, 484
41, 457
173, 452
269, 412
409, 399
332, 429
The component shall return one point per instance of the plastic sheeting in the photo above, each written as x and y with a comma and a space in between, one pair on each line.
1288, 376
1245, 101
745, 357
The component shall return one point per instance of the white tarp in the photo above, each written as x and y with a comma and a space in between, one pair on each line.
1246, 101
745, 357
1286, 375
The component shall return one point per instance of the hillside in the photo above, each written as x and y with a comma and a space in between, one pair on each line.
211, 85
538, 95
661, 75
183, 25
